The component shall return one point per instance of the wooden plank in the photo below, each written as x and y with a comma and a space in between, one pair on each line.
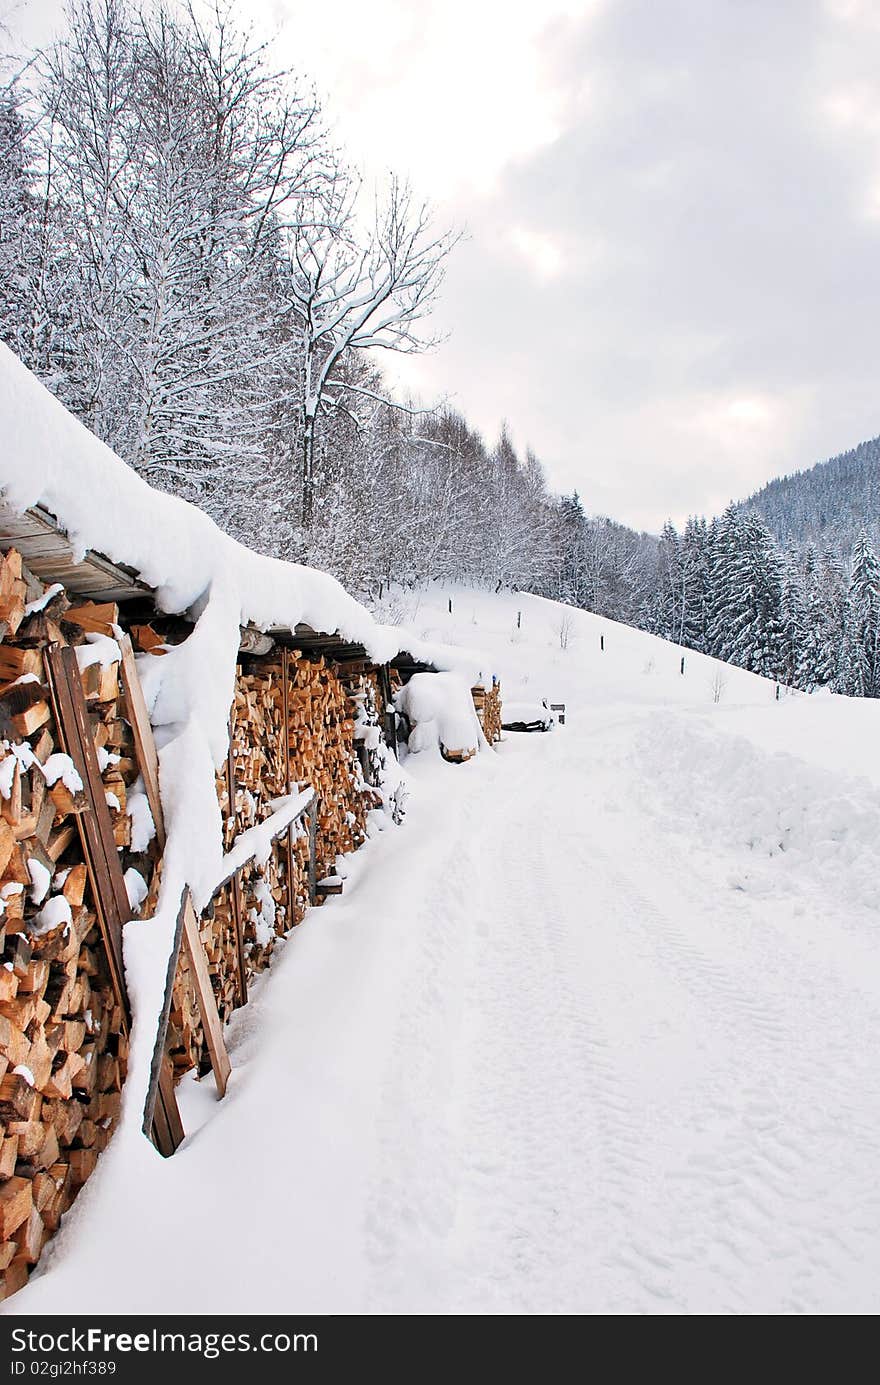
313, 850
158, 1115
105, 873
237, 909
195, 954
285, 716
237, 918
167, 1108
49, 554
95, 826
144, 742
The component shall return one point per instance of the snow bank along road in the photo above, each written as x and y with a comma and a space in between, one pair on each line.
593, 1033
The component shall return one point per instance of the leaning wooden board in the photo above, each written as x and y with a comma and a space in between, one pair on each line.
102, 860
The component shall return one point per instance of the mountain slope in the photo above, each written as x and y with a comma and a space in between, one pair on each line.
828, 505
591, 1032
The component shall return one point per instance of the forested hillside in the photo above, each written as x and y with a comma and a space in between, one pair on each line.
828, 506
189, 262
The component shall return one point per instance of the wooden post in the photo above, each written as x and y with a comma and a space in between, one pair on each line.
144, 742
195, 954
602, 642
389, 719
518, 619
450, 605
161, 1122
313, 850
682, 664
237, 910
95, 827
285, 716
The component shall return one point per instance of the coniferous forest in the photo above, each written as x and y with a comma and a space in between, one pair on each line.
188, 261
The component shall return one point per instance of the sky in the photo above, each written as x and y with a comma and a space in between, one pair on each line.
669, 285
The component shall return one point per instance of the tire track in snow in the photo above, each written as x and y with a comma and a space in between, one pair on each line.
604, 1097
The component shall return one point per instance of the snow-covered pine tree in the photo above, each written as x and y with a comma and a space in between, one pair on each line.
859, 674
827, 599
696, 583
724, 584
746, 623
794, 642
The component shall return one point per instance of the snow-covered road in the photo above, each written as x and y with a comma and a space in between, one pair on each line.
650, 1097
594, 1032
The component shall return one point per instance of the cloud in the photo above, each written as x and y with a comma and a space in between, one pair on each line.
670, 283
722, 329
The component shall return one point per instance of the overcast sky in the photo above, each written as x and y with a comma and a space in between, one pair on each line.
671, 282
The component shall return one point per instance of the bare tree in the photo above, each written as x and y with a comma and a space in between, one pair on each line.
357, 292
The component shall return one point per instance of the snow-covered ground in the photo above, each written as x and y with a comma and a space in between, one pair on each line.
593, 1032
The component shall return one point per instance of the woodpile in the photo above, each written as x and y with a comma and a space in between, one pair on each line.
292, 724
63, 1032
296, 722
487, 702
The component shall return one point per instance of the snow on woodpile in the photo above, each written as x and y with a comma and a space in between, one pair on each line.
440, 708
50, 458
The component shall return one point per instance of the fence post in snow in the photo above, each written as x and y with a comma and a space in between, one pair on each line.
450, 605
777, 692
682, 664
602, 642
518, 619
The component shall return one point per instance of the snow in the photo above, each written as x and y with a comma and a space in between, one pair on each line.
8, 766
41, 879
527, 712
42, 602
14, 753
53, 914
255, 844
98, 649
60, 766
22, 1070
441, 710
135, 887
592, 1033
137, 806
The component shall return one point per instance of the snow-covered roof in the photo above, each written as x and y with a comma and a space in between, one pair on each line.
49, 459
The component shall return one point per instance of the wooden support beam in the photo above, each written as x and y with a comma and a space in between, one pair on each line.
198, 965
237, 907
162, 1121
95, 826
285, 718
144, 742
313, 850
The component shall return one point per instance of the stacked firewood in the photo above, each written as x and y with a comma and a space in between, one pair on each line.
321, 719
487, 703
267, 899
63, 1042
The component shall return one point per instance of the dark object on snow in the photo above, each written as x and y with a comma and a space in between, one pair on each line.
527, 716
